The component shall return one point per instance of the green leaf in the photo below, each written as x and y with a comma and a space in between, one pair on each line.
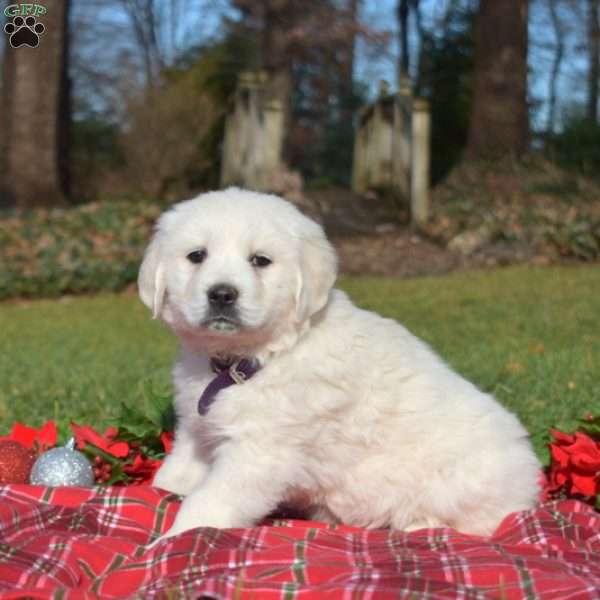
117, 475
92, 451
590, 426
137, 423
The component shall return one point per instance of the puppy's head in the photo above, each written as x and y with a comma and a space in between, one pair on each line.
233, 269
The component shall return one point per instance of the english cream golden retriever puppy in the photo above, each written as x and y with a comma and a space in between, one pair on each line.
286, 392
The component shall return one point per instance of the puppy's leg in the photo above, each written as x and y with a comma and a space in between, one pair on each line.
239, 490
184, 468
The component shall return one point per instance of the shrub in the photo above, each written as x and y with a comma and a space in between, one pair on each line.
91, 248
165, 136
578, 146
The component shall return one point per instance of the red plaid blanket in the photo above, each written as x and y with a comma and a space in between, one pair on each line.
89, 543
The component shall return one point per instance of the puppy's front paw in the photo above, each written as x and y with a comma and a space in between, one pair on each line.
179, 478
167, 479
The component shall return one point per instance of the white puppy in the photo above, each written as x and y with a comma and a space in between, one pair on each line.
348, 414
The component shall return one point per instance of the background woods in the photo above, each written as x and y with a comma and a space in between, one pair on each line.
492, 71
126, 101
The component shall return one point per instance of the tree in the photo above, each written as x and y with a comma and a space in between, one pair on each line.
594, 61
402, 12
307, 48
559, 34
35, 111
499, 119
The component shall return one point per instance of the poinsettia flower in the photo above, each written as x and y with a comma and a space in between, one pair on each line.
585, 485
142, 469
34, 439
562, 437
575, 467
166, 437
84, 434
585, 453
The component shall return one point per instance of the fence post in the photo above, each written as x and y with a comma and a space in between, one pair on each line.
419, 195
402, 138
272, 141
359, 176
253, 135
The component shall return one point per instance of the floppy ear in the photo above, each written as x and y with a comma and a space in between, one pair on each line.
151, 278
316, 275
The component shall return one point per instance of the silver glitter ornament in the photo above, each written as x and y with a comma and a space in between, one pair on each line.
62, 467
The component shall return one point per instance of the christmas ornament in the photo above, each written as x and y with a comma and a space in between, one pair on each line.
62, 466
15, 462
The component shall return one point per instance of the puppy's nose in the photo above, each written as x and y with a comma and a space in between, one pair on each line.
221, 295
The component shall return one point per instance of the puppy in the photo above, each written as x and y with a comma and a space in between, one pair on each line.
288, 393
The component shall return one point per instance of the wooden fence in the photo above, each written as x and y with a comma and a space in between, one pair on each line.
253, 135
391, 148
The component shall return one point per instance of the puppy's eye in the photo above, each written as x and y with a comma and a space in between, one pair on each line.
260, 260
197, 256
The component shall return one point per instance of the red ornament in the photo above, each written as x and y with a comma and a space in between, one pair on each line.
15, 462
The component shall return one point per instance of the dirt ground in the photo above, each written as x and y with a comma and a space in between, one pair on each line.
482, 216
374, 237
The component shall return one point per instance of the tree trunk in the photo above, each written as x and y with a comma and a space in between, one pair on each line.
275, 55
402, 12
556, 63
594, 52
346, 85
35, 116
499, 118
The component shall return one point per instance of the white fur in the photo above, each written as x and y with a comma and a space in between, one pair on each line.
351, 415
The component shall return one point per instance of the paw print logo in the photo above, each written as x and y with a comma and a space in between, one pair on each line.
24, 32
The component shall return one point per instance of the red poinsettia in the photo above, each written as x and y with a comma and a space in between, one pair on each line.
126, 455
575, 467
166, 437
122, 457
84, 435
38, 440
142, 470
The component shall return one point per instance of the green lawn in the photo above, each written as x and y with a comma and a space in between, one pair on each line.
530, 336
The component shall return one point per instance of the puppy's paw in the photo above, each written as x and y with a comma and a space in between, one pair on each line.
169, 481
173, 478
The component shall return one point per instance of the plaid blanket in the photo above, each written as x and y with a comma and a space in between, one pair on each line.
90, 543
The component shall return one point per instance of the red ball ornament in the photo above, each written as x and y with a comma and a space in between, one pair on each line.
15, 462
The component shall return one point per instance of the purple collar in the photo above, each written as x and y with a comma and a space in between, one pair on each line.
227, 375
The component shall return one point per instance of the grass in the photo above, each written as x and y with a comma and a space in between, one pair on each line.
529, 336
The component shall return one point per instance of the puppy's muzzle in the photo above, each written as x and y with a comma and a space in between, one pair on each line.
222, 312
222, 296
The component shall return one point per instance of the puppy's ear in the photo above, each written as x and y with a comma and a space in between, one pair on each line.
317, 273
151, 278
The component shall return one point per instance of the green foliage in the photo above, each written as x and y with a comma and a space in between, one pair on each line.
79, 250
321, 138
212, 71
532, 203
333, 157
94, 150
577, 147
134, 424
579, 238
183, 112
446, 79
590, 426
